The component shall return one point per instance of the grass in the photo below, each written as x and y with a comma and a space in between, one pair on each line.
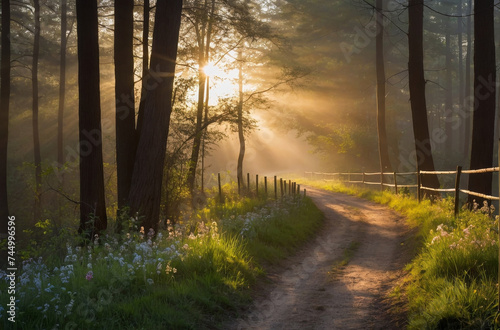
452, 281
192, 275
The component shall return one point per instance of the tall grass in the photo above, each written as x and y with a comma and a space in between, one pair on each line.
192, 275
452, 281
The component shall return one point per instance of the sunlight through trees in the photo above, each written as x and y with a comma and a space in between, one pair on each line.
118, 110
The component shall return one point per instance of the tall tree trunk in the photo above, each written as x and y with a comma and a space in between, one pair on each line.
448, 102
62, 84
145, 65
92, 204
205, 134
241, 135
383, 150
4, 114
202, 79
207, 87
145, 191
36, 134
468, 93
483, 130
193, 164
461, 83
423, 146
126, 141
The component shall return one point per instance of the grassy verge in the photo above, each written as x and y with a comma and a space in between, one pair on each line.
452, 281
186, 276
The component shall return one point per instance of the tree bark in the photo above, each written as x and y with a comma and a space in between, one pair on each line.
483, 130
193, 164
4, 114
207, 98
92, 203
385, 163
423, 145
241, 134
62, 84
202, 83
448, 102
145, 65
467, 93
126, 139
35, 108
145, 192
461, 83
204, 138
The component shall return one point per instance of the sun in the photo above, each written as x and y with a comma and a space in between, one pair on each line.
223, 83
211, 70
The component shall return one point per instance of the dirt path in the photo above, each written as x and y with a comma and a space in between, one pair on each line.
310, 290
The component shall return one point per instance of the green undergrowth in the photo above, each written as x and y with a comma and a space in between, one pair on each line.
191, 275
451, 282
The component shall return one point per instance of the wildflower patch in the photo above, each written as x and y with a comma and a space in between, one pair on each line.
193, 269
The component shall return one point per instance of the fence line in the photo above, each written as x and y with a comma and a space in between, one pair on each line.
290, 188
493, 198
483, 170
458, 172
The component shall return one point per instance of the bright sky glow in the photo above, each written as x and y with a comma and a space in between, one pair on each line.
212, 70
223, 83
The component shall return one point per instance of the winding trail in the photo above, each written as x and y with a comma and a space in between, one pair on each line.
311, 290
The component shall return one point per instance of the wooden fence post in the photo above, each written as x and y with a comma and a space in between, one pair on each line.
381, 180
220, 188
281, 186
395, 183
457, 190
289, 187
298, 189
265, 185
275, 187
419, 182
257, 184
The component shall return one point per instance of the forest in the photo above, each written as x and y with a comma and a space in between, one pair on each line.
141, 128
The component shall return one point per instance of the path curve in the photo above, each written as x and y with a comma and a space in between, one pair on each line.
308, 292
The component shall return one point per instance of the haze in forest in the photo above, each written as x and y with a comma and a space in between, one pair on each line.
304, 73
